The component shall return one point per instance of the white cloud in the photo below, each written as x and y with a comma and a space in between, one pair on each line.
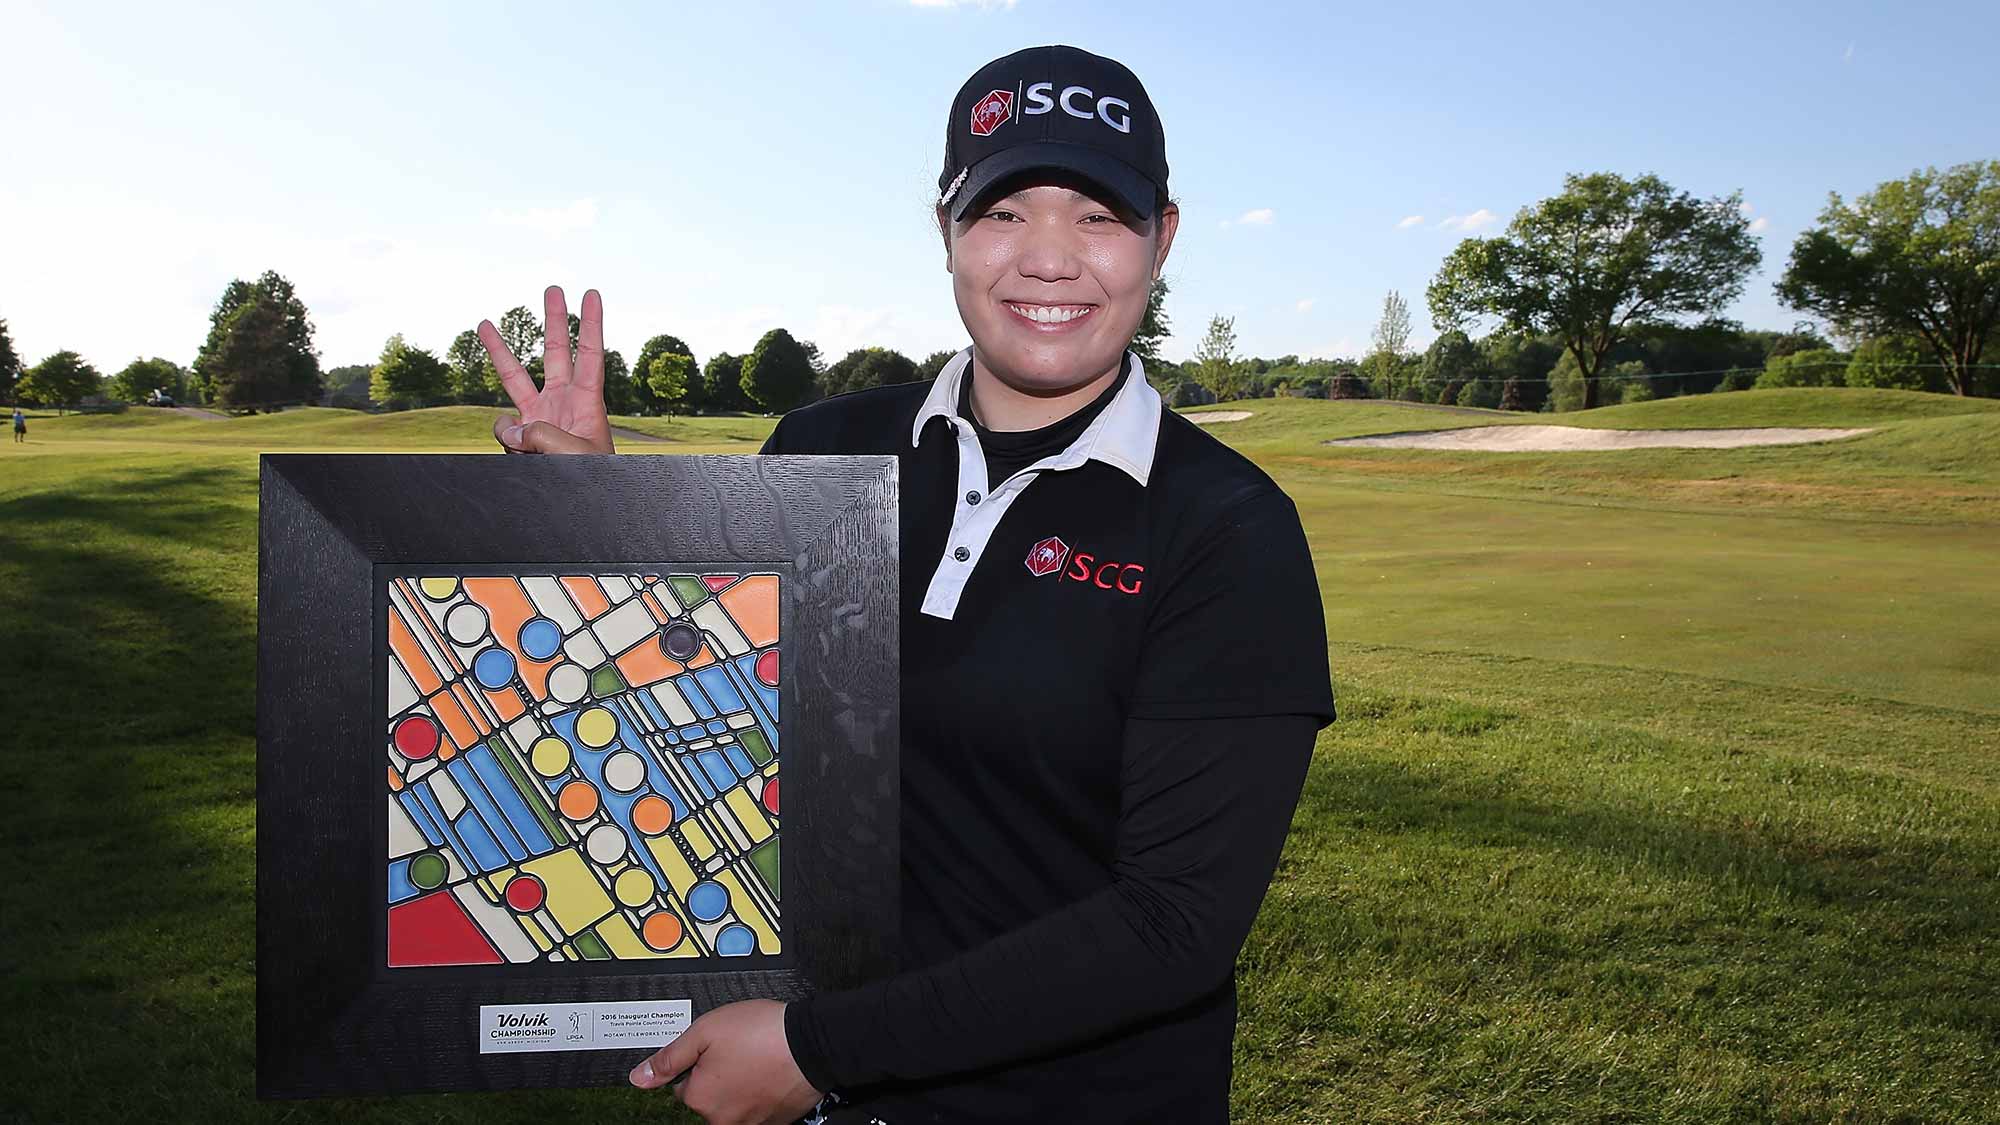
1475, 221
551, 221
1305, 304
1747, 208
1410, 221
1758, 224
1848, 55
1258, 217
984, 4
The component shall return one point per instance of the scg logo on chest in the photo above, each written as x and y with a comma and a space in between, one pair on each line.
1047, 557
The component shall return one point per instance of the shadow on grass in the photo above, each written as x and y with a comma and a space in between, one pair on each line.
127, 921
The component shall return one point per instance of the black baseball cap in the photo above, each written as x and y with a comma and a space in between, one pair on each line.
1053, 107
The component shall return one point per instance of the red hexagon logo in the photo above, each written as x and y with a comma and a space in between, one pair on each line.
1047, 557
992, 112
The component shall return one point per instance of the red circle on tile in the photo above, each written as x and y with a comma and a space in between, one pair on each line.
416, 737
525, 893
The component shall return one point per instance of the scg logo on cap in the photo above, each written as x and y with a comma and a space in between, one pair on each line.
1040, 102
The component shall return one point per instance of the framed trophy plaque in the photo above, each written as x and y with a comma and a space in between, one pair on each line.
555, 754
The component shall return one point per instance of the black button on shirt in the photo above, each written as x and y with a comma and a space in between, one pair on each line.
1099, 762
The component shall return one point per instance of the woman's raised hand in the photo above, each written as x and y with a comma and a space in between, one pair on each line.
566, 415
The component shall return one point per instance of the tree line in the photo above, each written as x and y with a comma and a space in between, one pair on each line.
1610, 290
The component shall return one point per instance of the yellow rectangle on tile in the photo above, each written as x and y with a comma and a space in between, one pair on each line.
575, 898
746, 810
679, 874
697, 837
746, 909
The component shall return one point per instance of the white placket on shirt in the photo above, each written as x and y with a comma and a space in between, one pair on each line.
976, 512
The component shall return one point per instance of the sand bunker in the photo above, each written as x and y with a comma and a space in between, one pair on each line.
1204, 419
1556, 439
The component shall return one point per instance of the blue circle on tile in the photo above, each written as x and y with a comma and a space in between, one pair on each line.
494, 668
540, 638
708, 900
735, 940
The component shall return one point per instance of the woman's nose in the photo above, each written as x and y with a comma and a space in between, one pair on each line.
1049, 252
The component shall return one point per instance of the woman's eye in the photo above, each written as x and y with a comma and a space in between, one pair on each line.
1003, 216
1099, 218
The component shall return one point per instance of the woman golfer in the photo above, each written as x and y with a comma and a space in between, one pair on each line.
1113, 662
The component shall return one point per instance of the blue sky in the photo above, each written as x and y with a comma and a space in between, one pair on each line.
719, 170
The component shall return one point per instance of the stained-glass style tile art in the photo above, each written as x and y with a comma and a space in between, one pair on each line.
582, 767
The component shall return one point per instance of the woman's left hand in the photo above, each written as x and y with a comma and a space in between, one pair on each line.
743, 1073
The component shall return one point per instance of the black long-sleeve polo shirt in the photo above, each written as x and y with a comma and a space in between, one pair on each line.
1110, 693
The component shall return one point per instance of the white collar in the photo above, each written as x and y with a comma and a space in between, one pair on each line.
1124, 436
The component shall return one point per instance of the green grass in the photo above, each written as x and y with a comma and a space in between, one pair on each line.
1930, 458
1666, 785
314, 427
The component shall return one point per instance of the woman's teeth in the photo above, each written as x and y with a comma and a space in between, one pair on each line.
1049, 314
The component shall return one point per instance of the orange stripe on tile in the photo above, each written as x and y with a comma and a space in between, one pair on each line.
507, 609
508, 703
472, 708
645, 664
410, 654
587, 594
702, 659
452, 716
653, 606
395, 779
437, 635
753, 604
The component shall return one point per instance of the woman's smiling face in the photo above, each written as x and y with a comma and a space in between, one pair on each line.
1052, 279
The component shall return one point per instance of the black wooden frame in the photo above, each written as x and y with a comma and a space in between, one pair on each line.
330, 1019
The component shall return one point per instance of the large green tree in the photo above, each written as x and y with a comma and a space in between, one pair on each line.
1805, 369
778, 373
347, 386
863, 368
1918, 256
409, 376
62, 379
722, 383
1594, 263
1392, 376
1214, 365
142, 377
259, 350
472, 377
641, 367
10, 365
934, 363
667, 378
835, 379
620, 394
1154, 327
1449, 363
1902, 363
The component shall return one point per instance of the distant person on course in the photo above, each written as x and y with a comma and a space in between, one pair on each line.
20, 425
1114, 661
